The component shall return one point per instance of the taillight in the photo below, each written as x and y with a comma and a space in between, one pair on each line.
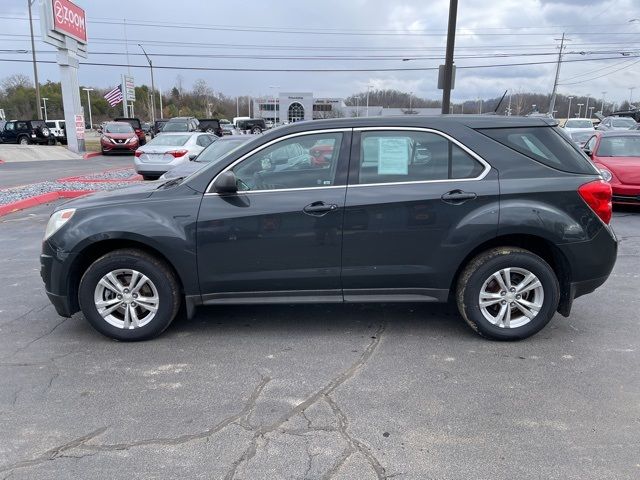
138, 153
177, 153
597, 195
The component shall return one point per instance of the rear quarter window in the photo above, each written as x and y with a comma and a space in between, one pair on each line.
544, 145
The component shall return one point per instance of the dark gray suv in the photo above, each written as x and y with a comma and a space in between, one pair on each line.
504, 216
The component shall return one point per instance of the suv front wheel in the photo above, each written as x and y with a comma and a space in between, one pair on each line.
23, 140
507, 293
129, 295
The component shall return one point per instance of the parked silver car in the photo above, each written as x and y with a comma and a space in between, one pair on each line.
169, 150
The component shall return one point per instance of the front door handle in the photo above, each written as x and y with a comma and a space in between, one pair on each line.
319, 209
457, 197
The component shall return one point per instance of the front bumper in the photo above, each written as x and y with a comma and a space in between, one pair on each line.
55, 270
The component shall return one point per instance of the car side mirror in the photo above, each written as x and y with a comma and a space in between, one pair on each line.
192, 157
226, 183
587, 151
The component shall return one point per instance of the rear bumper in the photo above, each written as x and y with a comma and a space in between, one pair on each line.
155, 168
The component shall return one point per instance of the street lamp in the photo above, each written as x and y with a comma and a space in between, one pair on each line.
368, 87
35, 66
44, 100
590, 111
89, 105
569, 111
153, 87
275, 117
579, 109
602, 107
586, 107
410, 98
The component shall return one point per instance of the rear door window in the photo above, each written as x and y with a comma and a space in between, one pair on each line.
408, 156
543, 144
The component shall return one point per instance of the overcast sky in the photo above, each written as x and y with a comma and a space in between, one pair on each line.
400, 29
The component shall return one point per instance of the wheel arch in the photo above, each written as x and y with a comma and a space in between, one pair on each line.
537, 245
93, 251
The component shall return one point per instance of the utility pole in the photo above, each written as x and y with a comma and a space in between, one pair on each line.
569, 111
153, 87
631, 89
448, 62
35, 66
44, 100
552, 103
89, 106
602, 107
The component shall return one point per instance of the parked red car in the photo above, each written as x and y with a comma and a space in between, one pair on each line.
118, 137
616, 153
137, 127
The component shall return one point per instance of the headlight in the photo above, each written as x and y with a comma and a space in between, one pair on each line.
606, 174
131, 139
57, 221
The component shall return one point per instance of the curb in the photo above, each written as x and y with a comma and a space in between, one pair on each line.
40, 199
89, 155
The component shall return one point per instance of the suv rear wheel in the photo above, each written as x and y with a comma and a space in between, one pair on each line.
129, 295
23, 140
507, 293
256, 130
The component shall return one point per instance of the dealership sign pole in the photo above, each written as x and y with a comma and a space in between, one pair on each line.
64, 26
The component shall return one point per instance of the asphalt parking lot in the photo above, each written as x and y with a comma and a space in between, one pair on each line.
320, 391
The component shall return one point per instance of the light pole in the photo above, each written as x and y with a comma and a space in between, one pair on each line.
569, 111
631, 89
602, 106
89, 105
44, 100
35, 66
586, 107
579, 109
410, 98
275, 117
590, 111
153, 87
368, 87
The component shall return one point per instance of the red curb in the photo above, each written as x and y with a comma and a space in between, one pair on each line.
40, 199
89, 155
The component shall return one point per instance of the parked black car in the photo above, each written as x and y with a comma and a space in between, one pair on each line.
254, 125
210, 125
503, 215
157, 126
26, 132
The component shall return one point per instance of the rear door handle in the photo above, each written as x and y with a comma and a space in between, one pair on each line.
319, 209
457, 197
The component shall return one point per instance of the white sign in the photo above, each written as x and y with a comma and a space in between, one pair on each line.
79, 126
393, 156
129, 89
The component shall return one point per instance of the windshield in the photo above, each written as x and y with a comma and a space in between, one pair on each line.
217, 150
175, 127
578, 124
619, 146
623, 122
118, 128
169, 140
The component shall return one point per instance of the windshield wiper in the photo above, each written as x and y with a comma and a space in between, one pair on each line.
171, 183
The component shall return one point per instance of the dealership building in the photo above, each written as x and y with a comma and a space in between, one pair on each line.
297, 106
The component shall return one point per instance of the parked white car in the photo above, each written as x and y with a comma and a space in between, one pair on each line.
578, 125
169, 150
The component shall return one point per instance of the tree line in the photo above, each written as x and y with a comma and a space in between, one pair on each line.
18, 100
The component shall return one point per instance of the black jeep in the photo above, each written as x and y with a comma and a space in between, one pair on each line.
26, 132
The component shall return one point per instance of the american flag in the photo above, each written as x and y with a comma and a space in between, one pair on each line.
114, 96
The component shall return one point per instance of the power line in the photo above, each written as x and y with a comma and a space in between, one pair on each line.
603, 75
598, 69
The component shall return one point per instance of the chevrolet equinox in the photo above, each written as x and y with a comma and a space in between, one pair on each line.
502, 215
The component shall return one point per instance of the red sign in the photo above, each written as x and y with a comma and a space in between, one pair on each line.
79, 126
69, 19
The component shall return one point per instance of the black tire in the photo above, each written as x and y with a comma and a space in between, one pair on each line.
256, 130
156, 270
150, 177
24, 140
482, 267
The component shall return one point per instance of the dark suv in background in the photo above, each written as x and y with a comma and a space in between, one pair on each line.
210, 125
26, 132
137, 127
253, 125
182, 124
502, 215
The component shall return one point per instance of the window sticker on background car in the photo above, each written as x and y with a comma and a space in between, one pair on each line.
393, 156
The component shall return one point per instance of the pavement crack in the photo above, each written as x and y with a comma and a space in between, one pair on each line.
233, 419
28, 344
356, 445
53, 453
341, 378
